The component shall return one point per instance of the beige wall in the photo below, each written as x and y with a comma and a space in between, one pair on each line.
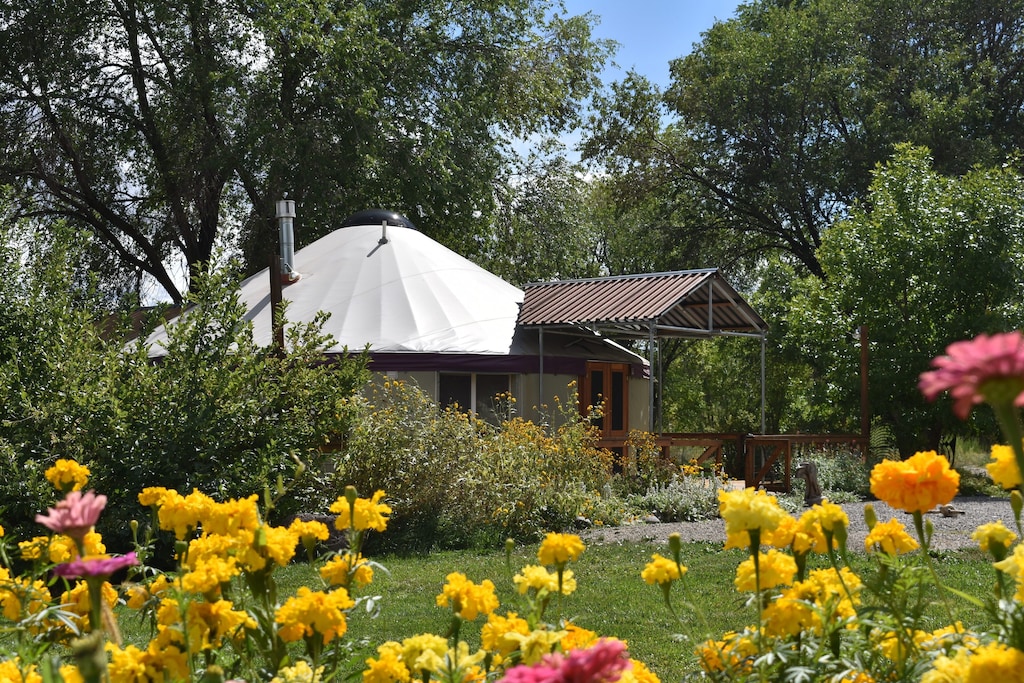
528, 404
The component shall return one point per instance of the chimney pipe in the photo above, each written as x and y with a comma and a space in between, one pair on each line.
285, 214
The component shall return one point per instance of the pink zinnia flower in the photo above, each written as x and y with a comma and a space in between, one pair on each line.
986, 368
603, 662
95, 566
75, 515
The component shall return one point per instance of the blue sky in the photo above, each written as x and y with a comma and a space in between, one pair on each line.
652, 32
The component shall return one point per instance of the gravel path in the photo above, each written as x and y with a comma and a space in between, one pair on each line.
951, 533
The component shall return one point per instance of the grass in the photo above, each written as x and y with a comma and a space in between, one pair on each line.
611, 598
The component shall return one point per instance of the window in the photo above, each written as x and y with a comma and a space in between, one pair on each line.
474, 392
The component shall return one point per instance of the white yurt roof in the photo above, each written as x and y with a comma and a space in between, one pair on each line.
395, 290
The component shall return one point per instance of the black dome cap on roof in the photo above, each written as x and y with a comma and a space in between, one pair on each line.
376, 217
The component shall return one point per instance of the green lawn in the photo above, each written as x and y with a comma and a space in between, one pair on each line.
611, 598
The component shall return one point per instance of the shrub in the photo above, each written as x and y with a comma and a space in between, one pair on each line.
454, 480
685, 499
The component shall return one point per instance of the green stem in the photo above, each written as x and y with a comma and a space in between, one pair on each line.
925, 538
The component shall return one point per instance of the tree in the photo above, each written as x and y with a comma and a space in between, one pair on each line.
217, 412
927, 259
778, 117
166, 128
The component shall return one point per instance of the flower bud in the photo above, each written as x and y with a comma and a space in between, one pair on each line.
870, 518
675, 545
351, 494
1016, 504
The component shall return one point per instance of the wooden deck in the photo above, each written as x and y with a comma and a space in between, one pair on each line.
767, 458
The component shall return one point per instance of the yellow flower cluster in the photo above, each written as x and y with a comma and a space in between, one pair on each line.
67, 475
773, 568
468, 599
994, 537
314, 613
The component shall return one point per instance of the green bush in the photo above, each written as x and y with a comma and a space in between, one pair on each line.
217, 412
456, 481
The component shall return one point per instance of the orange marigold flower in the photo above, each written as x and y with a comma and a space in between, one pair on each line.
916, 484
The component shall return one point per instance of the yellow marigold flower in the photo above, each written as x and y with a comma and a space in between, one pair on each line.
32, 549
557, 549
638, 672
1003, 469
309, 531
577, 638
77, 601
829, 516
947, 669
160, 661
824, 588
891, 538
13, 671
367, 514
208, 573
917, 484
774, 569
209, 623
388, 668
1014, 566
71, 674
67, 475
731, 654
21, 597
153, 496
800, 535
788, 615
137, 596
344, 570
468, 599
539, 578
857, 677
424, 653
279, 544
183, 514
494, 634
301, 672
661, 570
1, 530
228, 518
996, 662
748, 510
309, 612
537, 643
994, 535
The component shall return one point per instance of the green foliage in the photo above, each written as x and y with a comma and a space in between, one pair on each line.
926, 261
215, 412
455, 481
346, 106
684, 499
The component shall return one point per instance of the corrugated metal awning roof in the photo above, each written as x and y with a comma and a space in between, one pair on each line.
686, 303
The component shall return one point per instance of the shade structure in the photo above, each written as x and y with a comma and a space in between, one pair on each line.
393, 289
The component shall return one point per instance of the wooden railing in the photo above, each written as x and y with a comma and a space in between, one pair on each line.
760, 452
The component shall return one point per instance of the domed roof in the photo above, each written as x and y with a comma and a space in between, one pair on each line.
392, 288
